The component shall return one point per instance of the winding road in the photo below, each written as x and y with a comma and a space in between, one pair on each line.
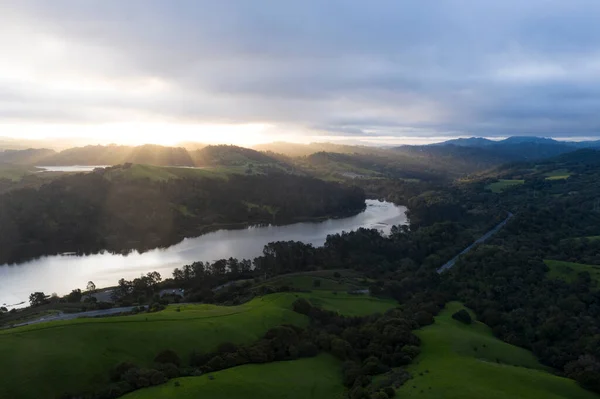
482, 239
71, 316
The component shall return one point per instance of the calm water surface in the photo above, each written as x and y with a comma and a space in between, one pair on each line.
62, 273
74, 168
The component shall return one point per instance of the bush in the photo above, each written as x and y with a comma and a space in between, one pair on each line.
337, 275
168, 356
390, 392
463, 316
302, 306
350, 372
307, 349
170, 370
411, 351
424, 318
116, 374
215, 364
379, 395
227, 347
316, 283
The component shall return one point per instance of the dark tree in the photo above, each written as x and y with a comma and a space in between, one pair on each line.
168, 356
37, 299
463, 316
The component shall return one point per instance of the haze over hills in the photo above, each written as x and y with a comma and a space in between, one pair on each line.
451, 158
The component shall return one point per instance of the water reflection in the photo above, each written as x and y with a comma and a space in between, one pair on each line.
62, 273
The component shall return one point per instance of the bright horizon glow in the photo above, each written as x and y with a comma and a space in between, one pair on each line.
135, 133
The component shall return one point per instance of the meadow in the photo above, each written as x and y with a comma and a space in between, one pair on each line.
503, 184
558, 174
46, 360
460, 361
568, 271
313, 378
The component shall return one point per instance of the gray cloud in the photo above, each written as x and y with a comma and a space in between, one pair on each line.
379, 67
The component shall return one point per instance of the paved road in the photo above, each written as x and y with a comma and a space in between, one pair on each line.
483, 238
71, 316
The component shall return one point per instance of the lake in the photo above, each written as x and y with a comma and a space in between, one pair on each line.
73, 168
62, 273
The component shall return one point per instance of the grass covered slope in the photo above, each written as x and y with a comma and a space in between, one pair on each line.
461, 361
314, 378
503, 184
568, 271
46, 360
349, 304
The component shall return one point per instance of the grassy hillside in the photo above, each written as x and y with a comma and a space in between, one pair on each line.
558, 174
161, 173
461, 361
568, 271
15, 173
46, 360
503, 184
314, 378
347, 304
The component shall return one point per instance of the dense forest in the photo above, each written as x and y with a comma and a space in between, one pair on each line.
91, 212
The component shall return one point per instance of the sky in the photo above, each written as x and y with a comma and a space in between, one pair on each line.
254, 71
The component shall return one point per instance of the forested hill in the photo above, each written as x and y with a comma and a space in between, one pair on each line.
449, 160
123, 213
520, 148
114, 154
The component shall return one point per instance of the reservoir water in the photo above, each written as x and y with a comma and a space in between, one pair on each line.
62, 273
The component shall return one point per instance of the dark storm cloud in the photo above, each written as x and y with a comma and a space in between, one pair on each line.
349, 67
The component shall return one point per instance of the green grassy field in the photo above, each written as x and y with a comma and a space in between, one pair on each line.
162, 173
461, 361
15, 172
568, 270
559, 174
503, 184
347, 304
45, 360
314, 378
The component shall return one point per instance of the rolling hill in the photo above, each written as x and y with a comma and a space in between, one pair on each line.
461, 361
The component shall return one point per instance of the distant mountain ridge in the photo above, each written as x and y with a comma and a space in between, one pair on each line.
520, 148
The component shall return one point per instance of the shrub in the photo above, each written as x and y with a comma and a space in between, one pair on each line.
379, 395
389, 391
215, 364
302, 306
424, 318
350, 372
116, 374
307, 349
316, 283
169, 370
168, 356
227, 347
337, 275
463, 316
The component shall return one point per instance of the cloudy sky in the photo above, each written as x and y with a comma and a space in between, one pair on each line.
246, 71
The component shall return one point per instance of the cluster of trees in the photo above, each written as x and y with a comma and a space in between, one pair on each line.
371, 345
121, 214
507, 283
